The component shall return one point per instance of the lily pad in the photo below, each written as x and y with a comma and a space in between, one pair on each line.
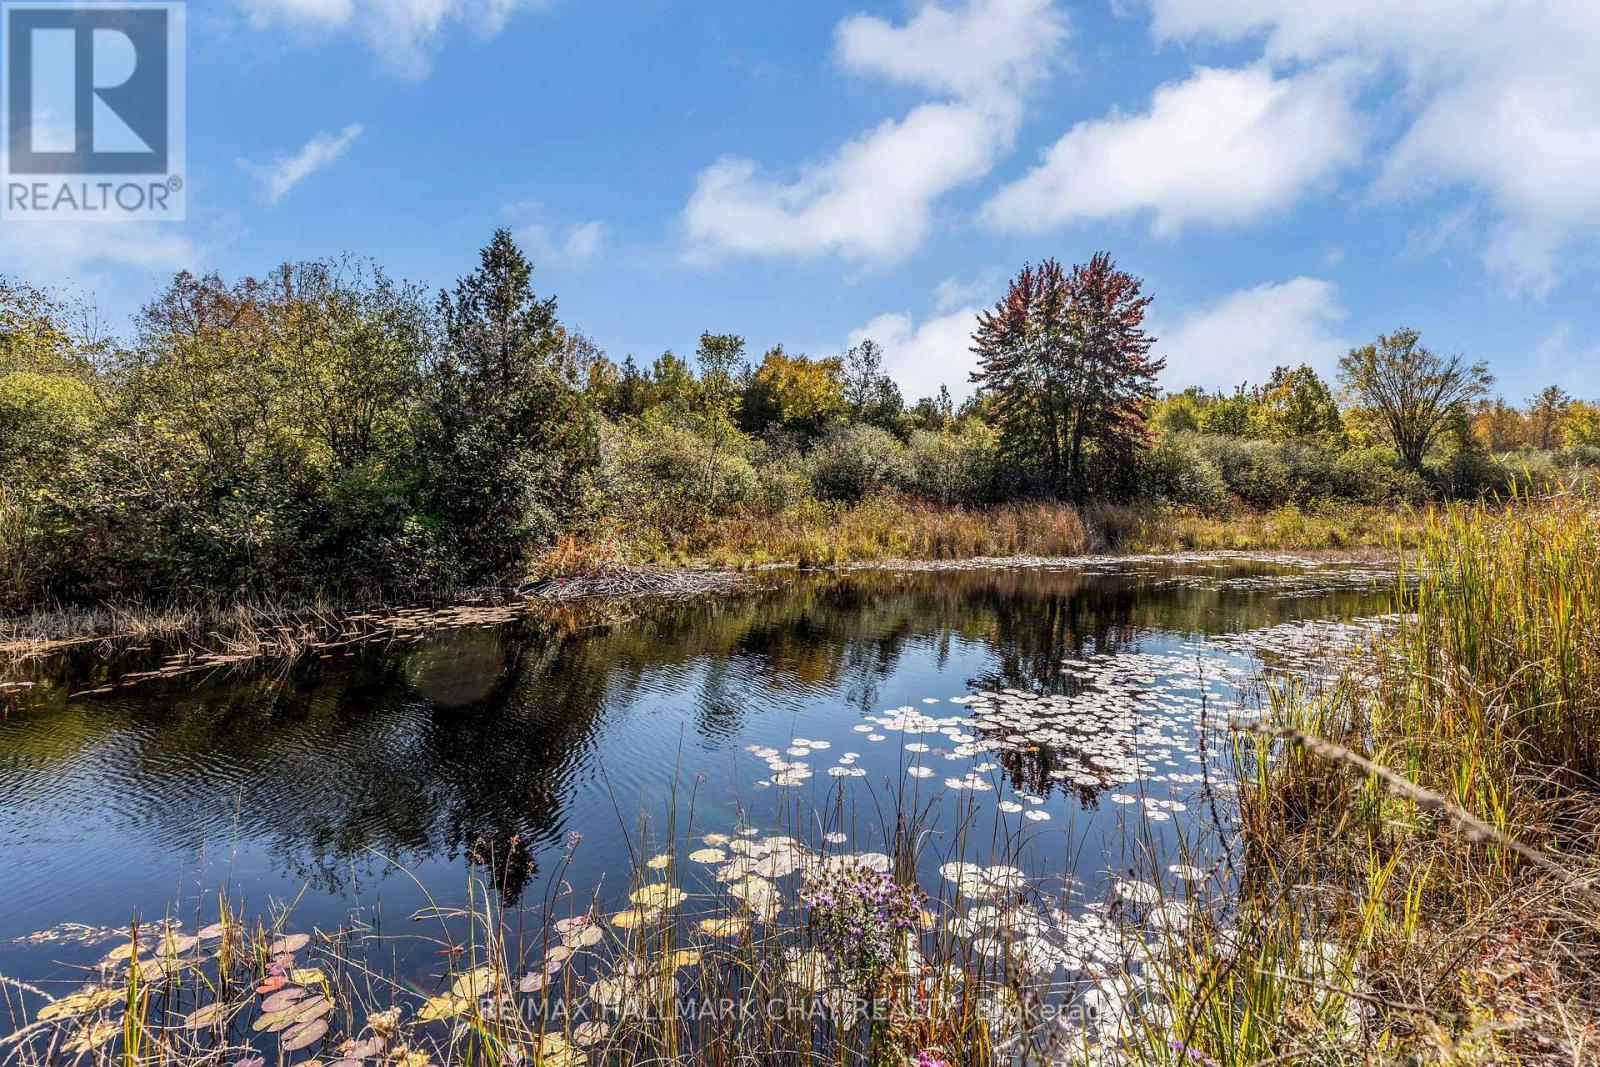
303, 1035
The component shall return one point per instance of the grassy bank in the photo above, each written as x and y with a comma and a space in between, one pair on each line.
813, 534
893, 527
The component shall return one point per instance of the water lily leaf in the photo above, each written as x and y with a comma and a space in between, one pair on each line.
590, 1033
686, 957
628, 918
303, 1035
212, 932
553, 1050
661, 862
80, 1003
726, 926
282, 999
659, 895
308, 976
93, 1036
533, 982
201, 1018
289, 943
273, 1021
177, 944
708, 855
478, 982
583, 936
443, 1006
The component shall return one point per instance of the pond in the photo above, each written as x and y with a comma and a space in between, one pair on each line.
1071, 712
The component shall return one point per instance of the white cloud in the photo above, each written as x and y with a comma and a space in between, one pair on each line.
953, 293
579, 246
285, 172
1500, 98
1224, 146
401, 32
988, 51
873, 197
552, 245
1566, 358
1247, 333
922, 358
75, 254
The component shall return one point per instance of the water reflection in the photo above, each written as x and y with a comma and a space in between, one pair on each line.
491, 744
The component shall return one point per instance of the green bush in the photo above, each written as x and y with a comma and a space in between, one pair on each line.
953, 466
854, 460
1176, 473
660, 471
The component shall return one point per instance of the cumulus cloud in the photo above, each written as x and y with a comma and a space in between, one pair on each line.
284, 173
81, 255
1223, 146
922, 358
1247, 333
1501, 99
578, 246
873, 197
401, 32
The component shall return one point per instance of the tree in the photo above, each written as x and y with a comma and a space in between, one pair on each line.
872, 395
347, 343
1582, 427
1499, 425
1179, 412
1067, 361
1297, 403
933, 413
796, 394
721, 358
511, 437
1409, 390
1546, 411
1230, 415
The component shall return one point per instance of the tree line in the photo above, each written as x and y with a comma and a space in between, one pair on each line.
329, 427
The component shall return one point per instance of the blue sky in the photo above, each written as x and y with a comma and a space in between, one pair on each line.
1289, 178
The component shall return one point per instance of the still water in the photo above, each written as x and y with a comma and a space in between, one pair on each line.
1067, 708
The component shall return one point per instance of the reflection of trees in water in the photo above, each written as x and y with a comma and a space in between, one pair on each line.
470, 743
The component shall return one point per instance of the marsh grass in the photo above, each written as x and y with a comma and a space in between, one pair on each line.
1433, 815
890, 527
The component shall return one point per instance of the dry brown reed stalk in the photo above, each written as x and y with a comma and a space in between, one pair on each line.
1425, 799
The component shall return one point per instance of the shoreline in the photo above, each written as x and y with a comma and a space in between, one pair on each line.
218, 636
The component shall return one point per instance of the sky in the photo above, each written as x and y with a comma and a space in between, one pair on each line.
1289, 178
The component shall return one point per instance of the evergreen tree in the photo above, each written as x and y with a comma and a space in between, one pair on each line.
510, 436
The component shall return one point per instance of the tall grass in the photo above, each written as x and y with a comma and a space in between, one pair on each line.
1433, 817
815, 533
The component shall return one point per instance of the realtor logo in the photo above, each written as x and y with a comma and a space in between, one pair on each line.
94, 117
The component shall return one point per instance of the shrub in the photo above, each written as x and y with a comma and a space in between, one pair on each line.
1374, 475
1176, 473
955, 466
658, 471
854, 460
